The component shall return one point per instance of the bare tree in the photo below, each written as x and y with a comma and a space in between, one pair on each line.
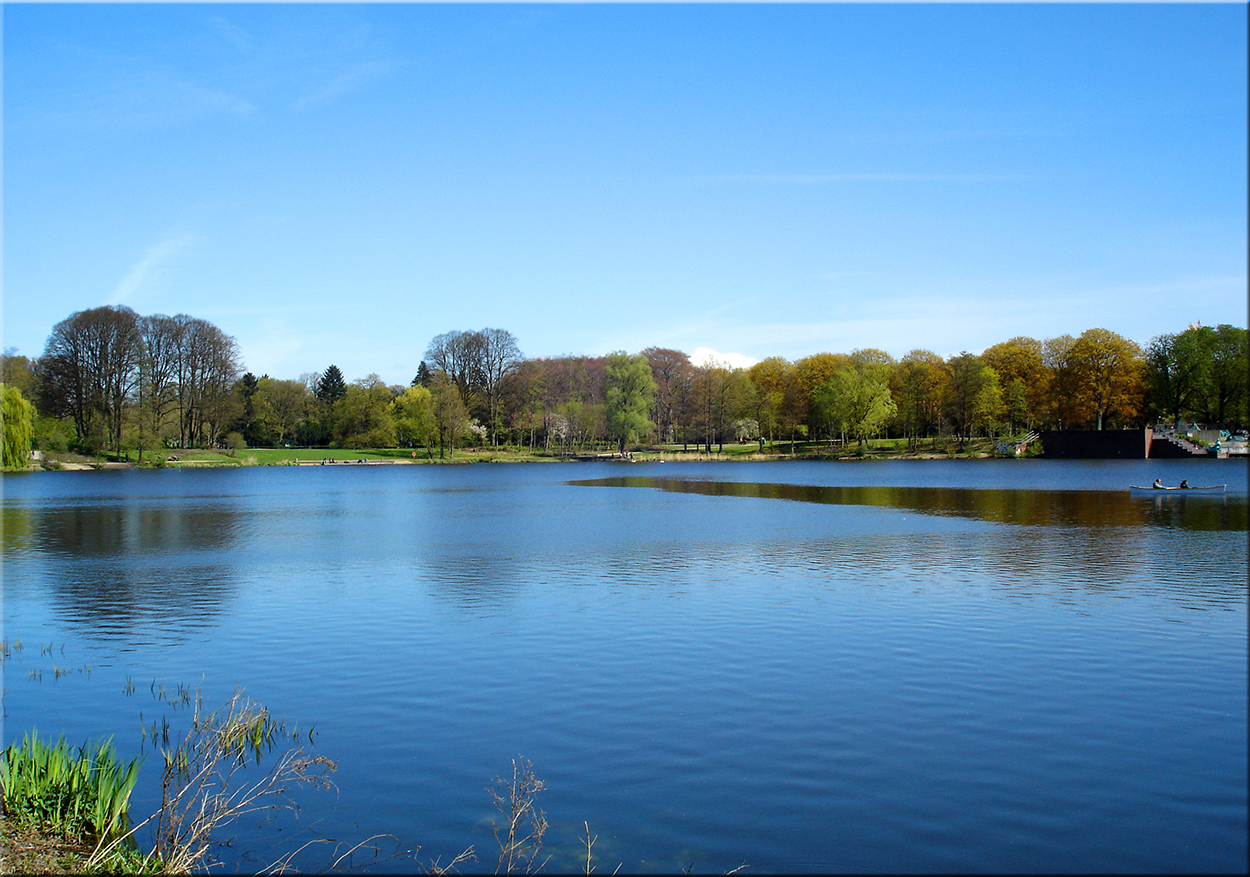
208, 366
458, 354
158, 374
90, 368
669, 368
498, 357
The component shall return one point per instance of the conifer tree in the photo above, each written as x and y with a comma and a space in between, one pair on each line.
331, 387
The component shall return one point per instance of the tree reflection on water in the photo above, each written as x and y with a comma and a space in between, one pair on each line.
1037, 508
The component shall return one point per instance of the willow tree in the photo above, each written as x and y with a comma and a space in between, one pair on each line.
18, 417
628, 394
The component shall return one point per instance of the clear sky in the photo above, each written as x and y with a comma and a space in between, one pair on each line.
341, 183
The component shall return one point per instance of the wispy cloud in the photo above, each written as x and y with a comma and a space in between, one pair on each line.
875, 177
351, 80
150, 266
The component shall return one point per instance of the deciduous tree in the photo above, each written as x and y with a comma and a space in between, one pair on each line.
498, 357
415, 423
670, 369
855, 401
363, 416
967, 377
1225, 391
281, 406
919, 384
18, 416
771, 378
1023, 378
1108, 376
89, 368
628, 394
450, 413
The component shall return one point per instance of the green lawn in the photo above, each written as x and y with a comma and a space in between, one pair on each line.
874, 449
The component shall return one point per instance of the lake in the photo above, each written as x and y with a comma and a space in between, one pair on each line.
946, 666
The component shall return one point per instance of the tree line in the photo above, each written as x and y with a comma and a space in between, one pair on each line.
110, 379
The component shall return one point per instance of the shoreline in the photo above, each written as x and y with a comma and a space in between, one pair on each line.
55, 465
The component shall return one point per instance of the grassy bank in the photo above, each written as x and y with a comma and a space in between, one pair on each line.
876, 449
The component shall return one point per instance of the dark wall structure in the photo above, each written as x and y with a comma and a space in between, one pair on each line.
1097, 444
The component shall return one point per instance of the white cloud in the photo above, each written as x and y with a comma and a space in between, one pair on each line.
703, 355
150, 266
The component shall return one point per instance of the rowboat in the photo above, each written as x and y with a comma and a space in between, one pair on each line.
1213, 488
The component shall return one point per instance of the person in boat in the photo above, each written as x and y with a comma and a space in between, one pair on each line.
1184, 484
1158, 485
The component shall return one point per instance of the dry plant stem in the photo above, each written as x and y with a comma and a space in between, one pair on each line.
450, 868
283, 865
196, 793
590, 842
343, 861
519, 847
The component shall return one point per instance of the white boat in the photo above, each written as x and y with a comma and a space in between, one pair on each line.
1212, 488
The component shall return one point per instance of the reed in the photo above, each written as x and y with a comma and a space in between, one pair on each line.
82, 793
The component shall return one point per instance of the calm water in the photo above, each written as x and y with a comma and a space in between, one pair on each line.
911, 666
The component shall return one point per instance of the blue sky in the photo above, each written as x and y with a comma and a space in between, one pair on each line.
341, 183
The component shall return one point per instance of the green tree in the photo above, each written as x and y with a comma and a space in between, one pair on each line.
810, 373
1176, 369
967, 378
450, 413
988, 406
628, 394
246, 422
331, 387
1023, 377
918, 383
363, 415
281, 406
18, 371
771, 378
423, 375
18, 427
1225, 390
413, 413
855, 402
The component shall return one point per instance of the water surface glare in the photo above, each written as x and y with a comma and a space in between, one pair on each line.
1006, 666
